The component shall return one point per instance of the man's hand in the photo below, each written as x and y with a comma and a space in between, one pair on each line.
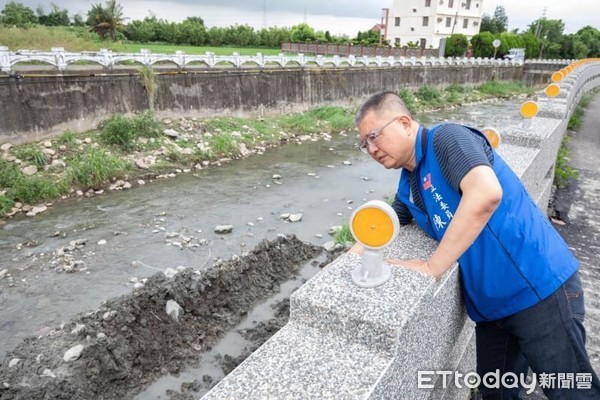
415, 265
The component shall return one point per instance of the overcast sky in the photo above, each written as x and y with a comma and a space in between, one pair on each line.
337, 16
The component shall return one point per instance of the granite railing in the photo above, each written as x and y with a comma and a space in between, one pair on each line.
347, 342
107, 59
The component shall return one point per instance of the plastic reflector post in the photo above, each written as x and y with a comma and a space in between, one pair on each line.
557, 76
529, 109
492, 135
552, 90
374, 225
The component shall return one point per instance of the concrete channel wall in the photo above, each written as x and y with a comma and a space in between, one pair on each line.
346, 342
33, 107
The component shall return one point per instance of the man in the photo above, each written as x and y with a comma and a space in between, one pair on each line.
520, 280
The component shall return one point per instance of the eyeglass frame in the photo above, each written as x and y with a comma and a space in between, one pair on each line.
372, 136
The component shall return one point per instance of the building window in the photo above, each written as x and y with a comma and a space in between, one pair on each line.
465, 23
427, 3
468, 6
450, 3
397, 42
397, 21
425, 21
448, 22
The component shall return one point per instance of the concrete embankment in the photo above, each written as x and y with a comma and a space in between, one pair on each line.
37, 107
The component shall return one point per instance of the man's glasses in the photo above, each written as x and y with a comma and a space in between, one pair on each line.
372, 137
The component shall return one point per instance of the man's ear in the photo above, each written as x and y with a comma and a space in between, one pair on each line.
406, 121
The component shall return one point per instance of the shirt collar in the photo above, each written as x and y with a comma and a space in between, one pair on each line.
419, 150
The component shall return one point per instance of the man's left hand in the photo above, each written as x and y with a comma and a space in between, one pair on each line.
415, 264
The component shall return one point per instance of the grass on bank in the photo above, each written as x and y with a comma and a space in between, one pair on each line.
93, 159
77, 39
563, 172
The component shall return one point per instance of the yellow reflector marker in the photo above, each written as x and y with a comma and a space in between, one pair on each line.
372, 227
557, 76
529, 109
552, 90
492, 136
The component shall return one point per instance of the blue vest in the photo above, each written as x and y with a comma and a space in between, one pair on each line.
517, 260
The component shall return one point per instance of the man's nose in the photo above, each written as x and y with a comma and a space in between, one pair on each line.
372, 148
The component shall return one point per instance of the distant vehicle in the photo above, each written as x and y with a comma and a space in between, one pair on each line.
515, 55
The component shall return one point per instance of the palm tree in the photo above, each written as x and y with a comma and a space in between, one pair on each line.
105, 20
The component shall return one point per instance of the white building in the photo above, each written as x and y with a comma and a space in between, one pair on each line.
426, 22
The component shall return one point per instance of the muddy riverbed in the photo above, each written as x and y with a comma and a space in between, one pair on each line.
114, 243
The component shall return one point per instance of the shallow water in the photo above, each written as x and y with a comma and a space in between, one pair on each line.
134, 222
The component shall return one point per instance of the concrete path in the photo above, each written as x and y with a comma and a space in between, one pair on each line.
579, 207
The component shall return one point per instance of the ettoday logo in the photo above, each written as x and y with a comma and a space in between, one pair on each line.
494, 380
472, 380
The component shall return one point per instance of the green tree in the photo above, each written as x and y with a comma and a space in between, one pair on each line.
482, 44
496, 24
549, 33
78, 20
589, 37
106, 20
241, 35
486, 24
274, 36
56, 17
509, 40
191, 31
530, 42
164, 31
500, 19
140, 31
18, 15
456, 45
573, 47
367, 38
302, 33
216, 36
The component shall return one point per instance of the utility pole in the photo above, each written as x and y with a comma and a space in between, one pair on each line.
264, 21
305, 19
538, 28
455, 21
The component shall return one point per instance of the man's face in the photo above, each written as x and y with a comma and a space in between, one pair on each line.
387, 138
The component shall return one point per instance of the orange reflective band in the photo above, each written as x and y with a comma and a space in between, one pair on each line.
492, 136
552, 90
372, 227
529, 109
557, 76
